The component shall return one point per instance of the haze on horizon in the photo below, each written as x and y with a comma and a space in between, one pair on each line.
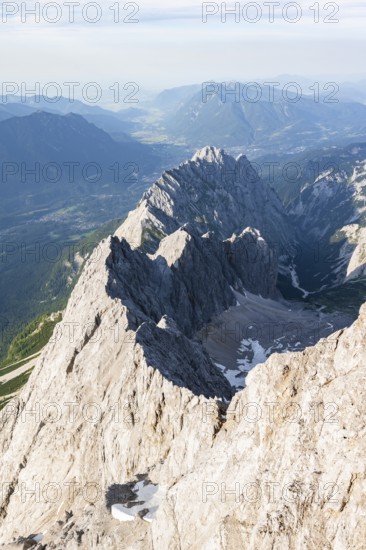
143, 52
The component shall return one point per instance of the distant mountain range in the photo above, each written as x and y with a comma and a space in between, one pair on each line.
174, 98
45, 136
55, 142
268, 125
46, 157
182, 116
114, 122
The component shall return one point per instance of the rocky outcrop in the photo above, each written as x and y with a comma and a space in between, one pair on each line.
250, 249
357, 264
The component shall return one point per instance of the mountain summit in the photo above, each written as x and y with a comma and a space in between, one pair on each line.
213, 192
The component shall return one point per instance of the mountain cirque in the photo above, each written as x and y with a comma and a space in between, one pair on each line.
126, 415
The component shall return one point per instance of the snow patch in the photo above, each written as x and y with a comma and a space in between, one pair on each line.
260, 354
148, 497
234, 377
296, 283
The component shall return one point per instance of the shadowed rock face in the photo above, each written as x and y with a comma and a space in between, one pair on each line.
125, 391
190, 277
255, 262
181, 361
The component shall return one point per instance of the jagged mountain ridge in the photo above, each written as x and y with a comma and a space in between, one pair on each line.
214, 192
107, 120
132, 350
157, 303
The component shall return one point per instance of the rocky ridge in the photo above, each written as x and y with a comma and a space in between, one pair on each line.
214, 192
125, 392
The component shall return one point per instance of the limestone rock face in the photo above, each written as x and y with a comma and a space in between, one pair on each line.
282, 468
224, 197
125, 401
357, 264
285, 468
